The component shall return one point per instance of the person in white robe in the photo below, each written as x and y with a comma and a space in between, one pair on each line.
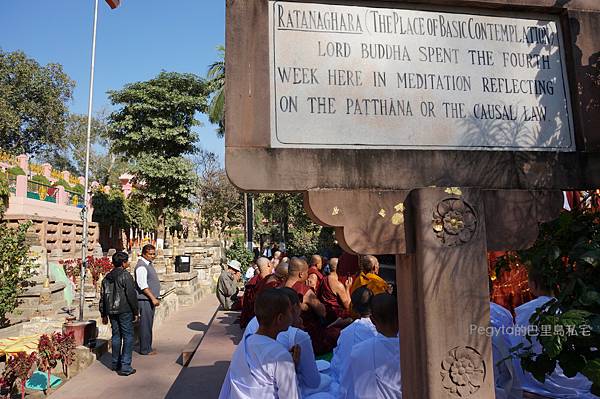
557, 384
261, 367
310, 381
360, 330
506, 380
374, 365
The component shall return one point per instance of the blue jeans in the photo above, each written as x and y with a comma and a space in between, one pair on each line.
122, 330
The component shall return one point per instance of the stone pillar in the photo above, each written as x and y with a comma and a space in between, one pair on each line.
62, 197
47, 170
23, 162
443, 293
21, 189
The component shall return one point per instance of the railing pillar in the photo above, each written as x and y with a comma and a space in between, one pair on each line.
47, 170
62, 197
21, 189
23, 161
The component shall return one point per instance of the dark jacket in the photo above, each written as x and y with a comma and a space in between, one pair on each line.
118, 294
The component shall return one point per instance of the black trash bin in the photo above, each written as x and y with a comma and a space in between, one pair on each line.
182, 264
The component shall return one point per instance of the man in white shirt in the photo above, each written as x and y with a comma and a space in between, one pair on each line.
261, 367
374, 365
360, 330
148, 288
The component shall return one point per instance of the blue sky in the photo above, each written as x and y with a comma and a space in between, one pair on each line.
134, 43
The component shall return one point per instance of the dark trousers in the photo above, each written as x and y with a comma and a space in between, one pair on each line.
122, 340
146, 322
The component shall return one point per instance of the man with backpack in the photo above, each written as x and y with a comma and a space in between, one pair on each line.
118, 302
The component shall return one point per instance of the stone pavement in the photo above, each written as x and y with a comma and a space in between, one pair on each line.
162, 376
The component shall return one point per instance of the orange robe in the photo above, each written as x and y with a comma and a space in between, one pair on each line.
372, 281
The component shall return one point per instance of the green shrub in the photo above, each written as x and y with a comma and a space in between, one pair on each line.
4, 194
79, 189
239, 252
64, 183
16, 268
16, 171
40, 179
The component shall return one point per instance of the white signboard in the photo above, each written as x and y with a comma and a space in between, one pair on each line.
360, 77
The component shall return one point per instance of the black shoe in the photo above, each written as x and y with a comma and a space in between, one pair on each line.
126, 373
115, 368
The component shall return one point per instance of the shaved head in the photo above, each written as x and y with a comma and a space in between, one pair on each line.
384, 309
317, 261
369, 264
297, 266
333, 264
282, 270
264, 266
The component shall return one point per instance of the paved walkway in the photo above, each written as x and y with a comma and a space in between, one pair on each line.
162, 376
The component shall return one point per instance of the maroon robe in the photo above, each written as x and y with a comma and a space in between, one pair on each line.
271, 281
248, 300
315, 271
323, 339
333, 304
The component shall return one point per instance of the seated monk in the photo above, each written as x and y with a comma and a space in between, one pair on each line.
275, 280
369, 266
313, 311
261, 367
315, 274
335, 295
374, 365
264, 270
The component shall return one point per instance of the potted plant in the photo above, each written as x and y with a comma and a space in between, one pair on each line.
20, 366
48, 356
65, 346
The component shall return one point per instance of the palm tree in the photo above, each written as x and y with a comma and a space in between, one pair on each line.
216, 81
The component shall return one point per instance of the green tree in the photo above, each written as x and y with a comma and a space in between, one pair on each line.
281, 216
16, 268
33, 104
153, 128
567, 255
216, 82
105, 166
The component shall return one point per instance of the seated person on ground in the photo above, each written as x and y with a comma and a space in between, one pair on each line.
374, 365
335, 295
556, 385
227, 288
261, 367
360, 330
506, 380
264, 270
368, 276
313, 311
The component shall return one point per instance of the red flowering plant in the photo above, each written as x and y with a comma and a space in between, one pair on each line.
7, 381
72, 267
65, 346
95, 266
19, 367
47, 355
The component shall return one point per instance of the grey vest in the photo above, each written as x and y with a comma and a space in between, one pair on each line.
153, 281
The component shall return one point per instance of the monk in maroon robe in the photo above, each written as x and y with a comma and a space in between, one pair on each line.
275, 280
313, 311
250, 291
335, 295
315, 274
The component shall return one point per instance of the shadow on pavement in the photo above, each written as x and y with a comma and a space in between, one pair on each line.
199, 382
